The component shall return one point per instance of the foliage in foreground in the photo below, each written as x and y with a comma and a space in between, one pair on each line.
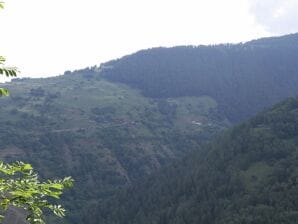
7, 71
20, 187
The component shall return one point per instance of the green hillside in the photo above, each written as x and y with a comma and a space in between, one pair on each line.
104, 135
247, 175
110, 127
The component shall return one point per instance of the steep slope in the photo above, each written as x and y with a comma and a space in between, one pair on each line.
248, 175
104, 135
242, 78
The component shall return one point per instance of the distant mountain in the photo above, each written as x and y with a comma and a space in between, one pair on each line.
242, 78
248, 175
111, 126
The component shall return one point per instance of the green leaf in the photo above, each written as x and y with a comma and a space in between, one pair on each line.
2, 59
4, 92
4, 203
20, 187
27, 166
8, 71
57, 186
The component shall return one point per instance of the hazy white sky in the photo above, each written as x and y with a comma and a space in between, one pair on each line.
47, 37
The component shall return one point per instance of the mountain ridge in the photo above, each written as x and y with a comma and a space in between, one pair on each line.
242, 78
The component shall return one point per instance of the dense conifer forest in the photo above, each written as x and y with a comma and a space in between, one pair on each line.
247, 175
242, 78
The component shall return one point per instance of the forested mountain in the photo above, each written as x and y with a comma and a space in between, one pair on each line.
110, 126
104, 135
247, 175
242, 78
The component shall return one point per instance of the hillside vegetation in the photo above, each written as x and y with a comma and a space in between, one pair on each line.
104, 135
248, 175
